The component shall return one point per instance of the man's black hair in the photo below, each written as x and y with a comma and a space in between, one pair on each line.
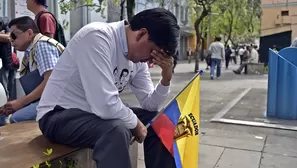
24, 23
162, 28
218, 38
41, 2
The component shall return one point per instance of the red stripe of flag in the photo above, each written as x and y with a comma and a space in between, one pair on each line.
164, 128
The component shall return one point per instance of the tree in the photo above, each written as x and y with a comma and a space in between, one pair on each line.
202, 8
97, 5
68, 5
239, 20
130, 9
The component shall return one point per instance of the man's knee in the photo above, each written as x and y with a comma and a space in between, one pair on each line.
23, 114
119, 132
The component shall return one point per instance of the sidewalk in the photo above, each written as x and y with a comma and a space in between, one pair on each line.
230, 145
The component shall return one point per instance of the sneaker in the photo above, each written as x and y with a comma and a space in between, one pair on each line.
236, 72
211, 77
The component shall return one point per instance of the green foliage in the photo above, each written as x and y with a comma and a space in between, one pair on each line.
266, 69
48, 152
36, 166
69, 163
68, 5
236, 20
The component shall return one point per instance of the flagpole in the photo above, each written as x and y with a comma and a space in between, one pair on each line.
161, 112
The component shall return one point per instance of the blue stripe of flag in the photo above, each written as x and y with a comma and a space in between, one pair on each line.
172, 111
176, 156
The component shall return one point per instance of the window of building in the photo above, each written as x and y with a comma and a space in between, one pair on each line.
182, 13
171, 8
176, 10
140, 7
285, 13
186, 13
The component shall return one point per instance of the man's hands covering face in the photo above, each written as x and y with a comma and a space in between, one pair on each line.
166, 63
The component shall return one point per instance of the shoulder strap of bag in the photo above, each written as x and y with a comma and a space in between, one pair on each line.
38, 20
40, 37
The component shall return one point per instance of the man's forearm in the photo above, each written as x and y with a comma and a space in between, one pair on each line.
165, 82
4, 38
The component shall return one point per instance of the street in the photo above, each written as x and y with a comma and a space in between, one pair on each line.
241, 97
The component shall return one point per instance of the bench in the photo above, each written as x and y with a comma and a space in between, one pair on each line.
22, 145
255, 68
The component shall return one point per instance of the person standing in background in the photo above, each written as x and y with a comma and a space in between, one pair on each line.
189, 54
175, 58
47, 21
233, 55
217, 50
227, 56
294, 43
5, 55
241, 53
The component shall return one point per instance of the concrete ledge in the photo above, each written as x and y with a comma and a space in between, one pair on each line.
83, 158
255, 68
28, 149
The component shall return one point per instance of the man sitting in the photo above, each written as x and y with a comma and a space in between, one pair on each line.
81, 107
249, 56
40, 55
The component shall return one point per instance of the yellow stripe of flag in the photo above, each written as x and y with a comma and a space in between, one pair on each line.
189, 105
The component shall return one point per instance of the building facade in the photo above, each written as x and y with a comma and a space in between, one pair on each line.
278, 25
279, 16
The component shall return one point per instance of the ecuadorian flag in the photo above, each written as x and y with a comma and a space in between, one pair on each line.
178, 125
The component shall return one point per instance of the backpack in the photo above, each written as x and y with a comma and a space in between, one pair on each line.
59, 35
15, 61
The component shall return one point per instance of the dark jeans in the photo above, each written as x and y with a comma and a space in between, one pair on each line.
227, 60
109, 139
241, 59
241, 67
7, 79
234, 59
215, 63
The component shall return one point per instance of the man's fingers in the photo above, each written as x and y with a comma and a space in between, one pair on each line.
164, 53
139, 139
162, 60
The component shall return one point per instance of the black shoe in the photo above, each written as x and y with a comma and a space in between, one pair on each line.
236, 72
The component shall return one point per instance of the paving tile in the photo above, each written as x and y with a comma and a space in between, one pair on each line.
277, 161
234, 158
140, 152
140, 164
281, 145
237, 112
209, 155
231, 139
